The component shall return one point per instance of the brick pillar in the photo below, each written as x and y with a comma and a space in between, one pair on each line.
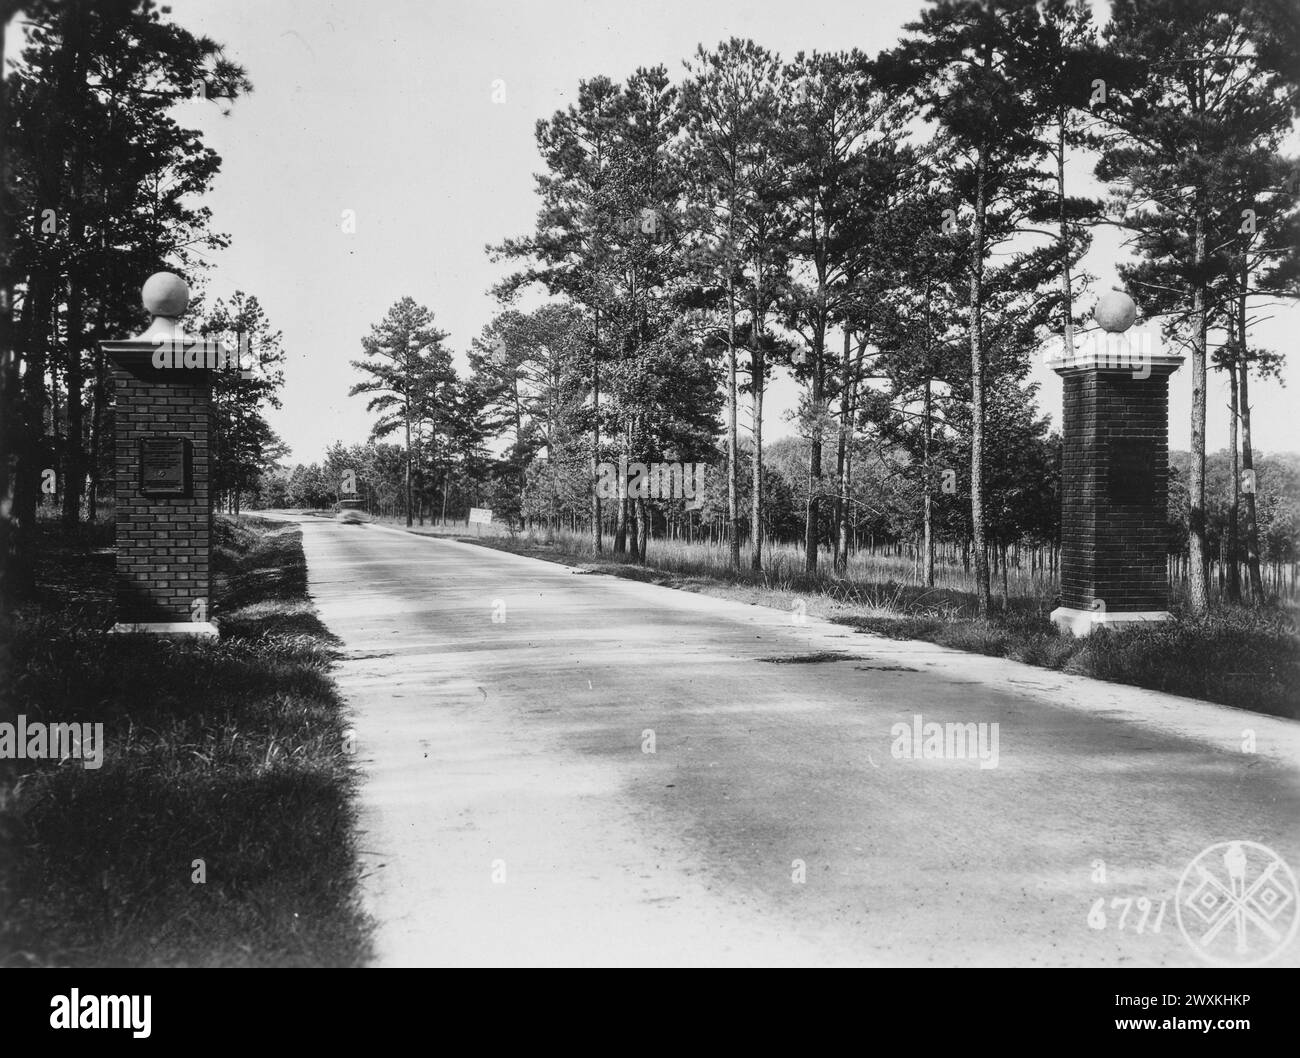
163, 505
1114, 481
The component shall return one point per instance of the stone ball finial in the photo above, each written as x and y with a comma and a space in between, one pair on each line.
165, 294
1115, 311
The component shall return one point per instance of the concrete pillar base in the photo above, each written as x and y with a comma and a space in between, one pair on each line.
1081, 622
194, 629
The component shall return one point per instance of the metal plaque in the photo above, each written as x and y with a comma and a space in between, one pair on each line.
164, 466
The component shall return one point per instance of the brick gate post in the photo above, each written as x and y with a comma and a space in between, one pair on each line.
162, 411
1114, 473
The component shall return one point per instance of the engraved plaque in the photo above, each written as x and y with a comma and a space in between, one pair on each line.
164, 466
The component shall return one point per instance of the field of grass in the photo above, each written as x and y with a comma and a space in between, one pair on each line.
229, 752
1234, 656
783, 565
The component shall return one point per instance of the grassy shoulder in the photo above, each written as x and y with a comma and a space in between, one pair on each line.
1234, 656
219, 829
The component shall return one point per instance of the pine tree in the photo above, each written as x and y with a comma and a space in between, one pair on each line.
832, 118
729, 105
569, 254
406, 362
242, 440
966, 63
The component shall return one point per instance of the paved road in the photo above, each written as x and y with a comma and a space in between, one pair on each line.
513, 814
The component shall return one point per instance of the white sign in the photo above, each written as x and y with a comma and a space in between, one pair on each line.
480, 514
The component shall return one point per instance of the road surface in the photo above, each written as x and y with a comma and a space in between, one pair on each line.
571, 769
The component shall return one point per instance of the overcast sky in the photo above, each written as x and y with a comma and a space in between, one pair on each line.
386, 108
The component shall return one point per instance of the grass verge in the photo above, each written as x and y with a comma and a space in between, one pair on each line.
219, 829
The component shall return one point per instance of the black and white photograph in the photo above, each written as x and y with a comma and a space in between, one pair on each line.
579, 484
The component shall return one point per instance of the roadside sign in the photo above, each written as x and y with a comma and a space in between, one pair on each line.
480, 514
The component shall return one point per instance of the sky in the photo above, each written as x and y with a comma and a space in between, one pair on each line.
386, 109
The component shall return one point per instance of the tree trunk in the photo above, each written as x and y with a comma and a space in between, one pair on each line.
410, 520
1006, 591
99, 393
1067, 285
928, 472
733, 455
848, 405
982, 587
10, 418
927, 419
596, 542
29, 438
74, 463
73, 459
523, 469
756, 486
1197, 572
1247, 454
620, 520
841, 460
812, 515
1233, 571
